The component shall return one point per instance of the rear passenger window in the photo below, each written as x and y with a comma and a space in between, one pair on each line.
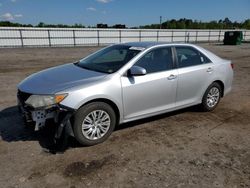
188, 56
157, 60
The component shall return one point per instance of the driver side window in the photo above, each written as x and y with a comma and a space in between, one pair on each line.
157, 60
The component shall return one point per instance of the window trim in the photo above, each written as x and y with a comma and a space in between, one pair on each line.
174, 62
191, 47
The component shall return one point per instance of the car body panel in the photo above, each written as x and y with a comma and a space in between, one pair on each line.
53, 80
192, 82
108, 88
224, 73
147, 94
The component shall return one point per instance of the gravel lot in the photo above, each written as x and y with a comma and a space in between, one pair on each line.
186, 148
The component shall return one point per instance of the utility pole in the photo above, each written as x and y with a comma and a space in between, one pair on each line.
160, 21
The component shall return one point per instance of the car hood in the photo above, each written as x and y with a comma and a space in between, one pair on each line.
56, 79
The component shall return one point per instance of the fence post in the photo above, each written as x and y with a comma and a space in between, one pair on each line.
157, 36
209, 34
21, 37
74, 37
49, 38
219, 36
172, 37
196, 36
140, 35
98, 38
185, 36
120, 36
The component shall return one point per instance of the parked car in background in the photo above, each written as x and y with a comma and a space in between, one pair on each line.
123, 83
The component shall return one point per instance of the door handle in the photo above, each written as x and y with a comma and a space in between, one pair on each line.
210, 70
172, 77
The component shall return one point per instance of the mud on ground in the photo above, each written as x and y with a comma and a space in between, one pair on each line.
186, 148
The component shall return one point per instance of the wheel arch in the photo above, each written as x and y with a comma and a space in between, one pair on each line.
222, 86
109, 102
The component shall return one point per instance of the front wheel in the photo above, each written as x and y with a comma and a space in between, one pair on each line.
211, 97
94, 123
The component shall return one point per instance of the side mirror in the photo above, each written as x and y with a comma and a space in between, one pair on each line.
137, 71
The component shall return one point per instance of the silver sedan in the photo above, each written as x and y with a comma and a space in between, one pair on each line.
123, 83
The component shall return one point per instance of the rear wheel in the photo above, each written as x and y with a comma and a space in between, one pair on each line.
94, 123
211, 97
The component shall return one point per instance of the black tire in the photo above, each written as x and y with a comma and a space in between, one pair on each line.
204, 105
81, 115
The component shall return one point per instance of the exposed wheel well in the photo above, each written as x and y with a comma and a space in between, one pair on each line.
111, 103
222, 86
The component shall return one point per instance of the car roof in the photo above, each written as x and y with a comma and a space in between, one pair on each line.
143, 44
147, 45
151, 44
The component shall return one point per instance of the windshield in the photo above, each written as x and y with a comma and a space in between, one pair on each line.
110, 59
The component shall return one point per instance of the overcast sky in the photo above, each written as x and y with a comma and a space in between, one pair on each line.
129, 12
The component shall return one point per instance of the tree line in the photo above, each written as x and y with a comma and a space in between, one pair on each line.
182, 23
41, 24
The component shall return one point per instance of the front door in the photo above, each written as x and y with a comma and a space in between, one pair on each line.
153, 92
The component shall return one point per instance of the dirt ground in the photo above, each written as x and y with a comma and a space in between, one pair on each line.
186, 148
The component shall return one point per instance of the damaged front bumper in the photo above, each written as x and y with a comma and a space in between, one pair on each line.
38, 118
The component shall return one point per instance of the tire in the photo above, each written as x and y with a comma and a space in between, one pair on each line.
93, 123
209, 103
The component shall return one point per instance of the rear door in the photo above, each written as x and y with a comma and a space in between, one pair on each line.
195, 72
